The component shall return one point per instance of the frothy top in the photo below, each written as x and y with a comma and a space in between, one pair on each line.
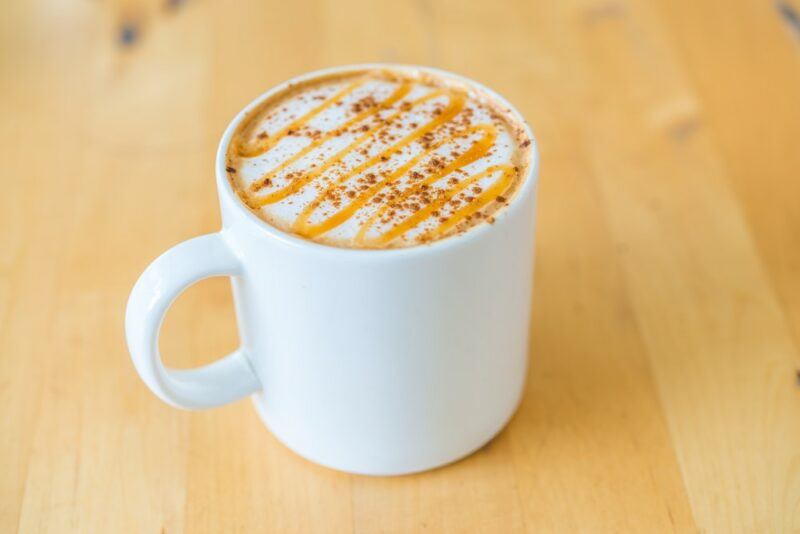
378, 158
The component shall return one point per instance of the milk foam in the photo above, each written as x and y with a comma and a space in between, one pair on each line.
377, 159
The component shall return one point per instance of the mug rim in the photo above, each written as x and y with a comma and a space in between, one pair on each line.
225, 187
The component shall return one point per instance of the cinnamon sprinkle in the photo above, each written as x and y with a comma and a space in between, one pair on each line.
421, 180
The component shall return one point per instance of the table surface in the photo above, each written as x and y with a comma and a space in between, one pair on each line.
663, 392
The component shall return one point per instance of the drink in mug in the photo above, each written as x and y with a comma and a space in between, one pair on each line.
378, 158
378, 228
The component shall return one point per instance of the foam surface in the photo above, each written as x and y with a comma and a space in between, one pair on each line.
377, 159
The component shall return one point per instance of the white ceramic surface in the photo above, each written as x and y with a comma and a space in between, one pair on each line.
378, 362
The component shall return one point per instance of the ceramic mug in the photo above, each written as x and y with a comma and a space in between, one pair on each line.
379, 362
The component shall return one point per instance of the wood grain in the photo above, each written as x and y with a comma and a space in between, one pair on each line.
662, 393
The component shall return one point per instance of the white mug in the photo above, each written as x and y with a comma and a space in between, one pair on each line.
379, 362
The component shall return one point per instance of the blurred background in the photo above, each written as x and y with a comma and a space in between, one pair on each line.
663, 392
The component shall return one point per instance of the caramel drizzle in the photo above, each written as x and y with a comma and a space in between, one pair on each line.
261, 146
398, 94
455, 105
456, 102
457, 217
475, 152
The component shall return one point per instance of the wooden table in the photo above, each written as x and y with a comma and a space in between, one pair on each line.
663, 393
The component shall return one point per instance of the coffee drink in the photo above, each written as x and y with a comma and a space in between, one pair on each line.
379, 158
381, 275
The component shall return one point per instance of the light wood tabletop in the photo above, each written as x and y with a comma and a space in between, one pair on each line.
663, 391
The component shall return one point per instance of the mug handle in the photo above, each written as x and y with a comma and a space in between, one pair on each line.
221, 382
